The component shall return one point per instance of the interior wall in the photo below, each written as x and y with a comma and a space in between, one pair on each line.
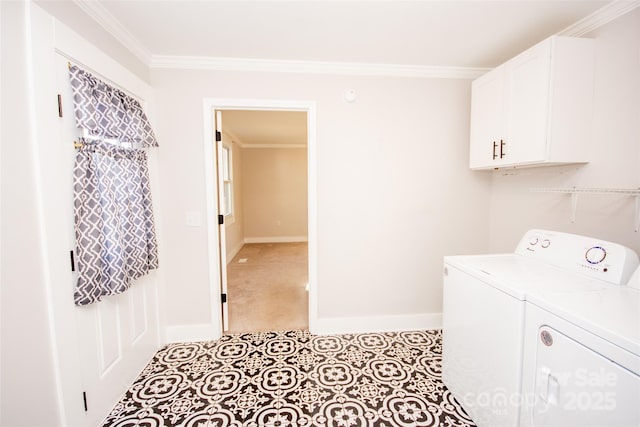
394, 191
27, 361
274, 194
73, 16
615, 157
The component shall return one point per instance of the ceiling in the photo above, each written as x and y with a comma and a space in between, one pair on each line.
273, 128
477, 33
453, 34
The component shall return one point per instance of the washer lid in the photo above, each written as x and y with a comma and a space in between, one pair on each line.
520, 276
612, 313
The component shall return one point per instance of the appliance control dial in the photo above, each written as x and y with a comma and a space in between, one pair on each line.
546, 243
595, 254
533, 241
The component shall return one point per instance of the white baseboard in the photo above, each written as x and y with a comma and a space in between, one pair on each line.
191, 333
276, 239
352, 325
234, 251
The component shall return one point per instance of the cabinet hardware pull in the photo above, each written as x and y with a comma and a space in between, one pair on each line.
495, 145
502, 144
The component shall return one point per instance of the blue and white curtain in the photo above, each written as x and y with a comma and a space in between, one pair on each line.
114, 226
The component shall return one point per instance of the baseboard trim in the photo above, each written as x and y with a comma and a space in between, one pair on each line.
352, 325
276, 239
234, 251
191, 333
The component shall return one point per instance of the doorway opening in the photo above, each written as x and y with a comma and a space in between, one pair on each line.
263, 195
260, 171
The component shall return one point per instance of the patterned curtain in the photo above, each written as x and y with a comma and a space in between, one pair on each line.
106, 111
114, 226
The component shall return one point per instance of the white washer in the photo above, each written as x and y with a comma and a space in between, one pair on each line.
485, 306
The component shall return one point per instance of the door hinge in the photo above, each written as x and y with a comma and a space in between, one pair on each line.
84, 399
218, 136
59, 105
73, 262
223, 298
220, 219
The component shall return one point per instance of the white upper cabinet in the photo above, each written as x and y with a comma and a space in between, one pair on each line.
536, 108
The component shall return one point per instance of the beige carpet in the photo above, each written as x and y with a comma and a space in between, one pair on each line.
266, 284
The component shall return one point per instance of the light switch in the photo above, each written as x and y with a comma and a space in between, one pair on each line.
193, 219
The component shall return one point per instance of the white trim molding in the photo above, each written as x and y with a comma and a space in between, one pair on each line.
276, 239
600, 17
313, 67
114, 27
106, 20
354, 325
191, 333
209, 106
250, 146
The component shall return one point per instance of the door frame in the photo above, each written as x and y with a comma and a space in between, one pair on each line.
210, 105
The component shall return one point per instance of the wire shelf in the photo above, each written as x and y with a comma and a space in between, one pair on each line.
574, 192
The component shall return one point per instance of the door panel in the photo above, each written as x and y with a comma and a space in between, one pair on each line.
527, 112
109, 334
487, 119
139, 313
576, 386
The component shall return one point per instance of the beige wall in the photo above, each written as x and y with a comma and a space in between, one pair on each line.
615, 157
274, 194
394, 192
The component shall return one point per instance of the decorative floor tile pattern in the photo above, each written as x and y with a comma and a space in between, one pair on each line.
291, 379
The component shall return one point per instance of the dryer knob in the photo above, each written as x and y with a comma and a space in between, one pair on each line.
546, 338
595, 255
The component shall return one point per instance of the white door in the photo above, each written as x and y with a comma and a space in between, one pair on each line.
528, 79
487, 120
223, 168
576, 386
118, 335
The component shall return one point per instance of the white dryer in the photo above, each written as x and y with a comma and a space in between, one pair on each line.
485, 308
582, 358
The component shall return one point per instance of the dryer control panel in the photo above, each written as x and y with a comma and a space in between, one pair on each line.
595, 258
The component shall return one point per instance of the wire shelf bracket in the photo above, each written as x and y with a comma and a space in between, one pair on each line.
575, 192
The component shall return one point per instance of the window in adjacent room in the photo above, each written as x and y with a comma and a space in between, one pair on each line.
227, 182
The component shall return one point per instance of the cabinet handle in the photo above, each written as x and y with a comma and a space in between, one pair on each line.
495, 145
502, 144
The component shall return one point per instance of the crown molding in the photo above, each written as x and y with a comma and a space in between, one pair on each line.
107, 21
250, 146
312, 67
233, 139
600, 17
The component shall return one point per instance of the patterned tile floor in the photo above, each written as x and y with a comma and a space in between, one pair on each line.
291, 379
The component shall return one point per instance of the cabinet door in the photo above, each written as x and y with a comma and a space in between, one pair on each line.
487, 119
527, 107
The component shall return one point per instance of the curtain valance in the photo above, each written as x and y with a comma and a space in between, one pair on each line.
108, 112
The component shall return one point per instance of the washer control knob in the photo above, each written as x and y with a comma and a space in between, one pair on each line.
595, 254
533, 241
546, 243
